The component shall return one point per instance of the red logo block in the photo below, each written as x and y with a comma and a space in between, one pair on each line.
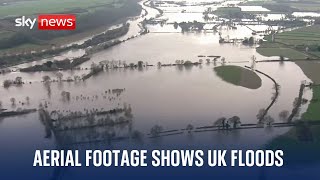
56, 22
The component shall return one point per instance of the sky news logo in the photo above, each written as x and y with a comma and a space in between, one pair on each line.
48, 22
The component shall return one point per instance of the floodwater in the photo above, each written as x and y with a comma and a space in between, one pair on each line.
171, 97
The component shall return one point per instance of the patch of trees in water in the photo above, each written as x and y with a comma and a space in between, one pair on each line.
16, 82
221, 124
91, 118
14, 102
95, 69
57, 65
181, 63
89, 126
189, 26
251, 41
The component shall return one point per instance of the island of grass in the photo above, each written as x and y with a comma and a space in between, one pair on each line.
239, 76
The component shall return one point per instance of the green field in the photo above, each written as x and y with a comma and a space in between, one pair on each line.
287, 5
93, 16
313, 109
27, 8
5, 34
281, 51
304, 36
239, 76
292, 45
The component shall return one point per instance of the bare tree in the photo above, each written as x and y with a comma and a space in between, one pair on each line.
220, 122
283, 115
7, 83
18, 80
13, 101
189, 128
59, 76
28, 100
77, 78
156, 130
46, 79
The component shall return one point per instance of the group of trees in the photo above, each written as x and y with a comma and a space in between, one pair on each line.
265, 119
107, 36
84, 22
10, 59
13, 102
89, 20
224, 123
248, 41
18, 81
66, 96
16, 40
189, 26
57, 65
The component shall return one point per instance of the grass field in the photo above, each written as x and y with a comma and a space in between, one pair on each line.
93, 16
239, 76
292, 45
314, 108
304, 36
287, 5
281, 51
5, 34
49, 6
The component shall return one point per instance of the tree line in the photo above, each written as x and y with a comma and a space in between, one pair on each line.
85, 22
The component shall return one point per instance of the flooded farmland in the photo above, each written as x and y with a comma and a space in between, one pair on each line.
171, 97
